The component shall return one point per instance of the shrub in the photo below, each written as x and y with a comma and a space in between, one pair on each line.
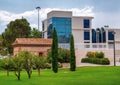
99, 55
90, 54
85, 60
96, 61
103, 61
63, 56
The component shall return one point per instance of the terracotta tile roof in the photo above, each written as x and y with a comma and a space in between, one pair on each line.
32, 41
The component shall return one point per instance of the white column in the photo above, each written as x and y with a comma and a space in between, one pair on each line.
90, 38
106, 38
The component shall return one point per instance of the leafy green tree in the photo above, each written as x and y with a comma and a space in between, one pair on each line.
1, 46
72, 55
63, 56
27, 62
18, 65
39, 62
7, 64
35, 33
20, 28
55, 51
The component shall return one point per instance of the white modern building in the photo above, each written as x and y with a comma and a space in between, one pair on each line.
85, 37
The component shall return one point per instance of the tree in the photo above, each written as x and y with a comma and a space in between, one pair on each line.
35, 33
72, 55
63, 56
1, 47
18, 65
27, 62
20, 28
7, 64
39, 62
55, 52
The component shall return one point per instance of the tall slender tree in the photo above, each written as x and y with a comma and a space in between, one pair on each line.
55, 51
72, 55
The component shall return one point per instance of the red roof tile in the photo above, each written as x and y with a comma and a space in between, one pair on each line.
32, 41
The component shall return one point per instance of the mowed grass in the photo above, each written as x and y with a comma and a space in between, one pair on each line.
103, 75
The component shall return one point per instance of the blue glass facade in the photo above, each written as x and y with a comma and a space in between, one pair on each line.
63, 28
86, 23
103, 36
86, 35
98, 37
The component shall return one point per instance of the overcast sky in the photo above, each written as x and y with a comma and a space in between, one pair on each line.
105, 12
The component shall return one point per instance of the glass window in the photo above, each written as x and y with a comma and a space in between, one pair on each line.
110, 36
86, 35
103, 39
49, 28
63, 28
93, 36
86, 23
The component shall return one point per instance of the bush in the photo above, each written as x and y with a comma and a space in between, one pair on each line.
90, 54
103, 61
86, 60
99, 55
63, 56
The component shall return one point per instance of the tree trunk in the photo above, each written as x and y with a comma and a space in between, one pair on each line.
7, 72
29, 74
38, 71
18, 75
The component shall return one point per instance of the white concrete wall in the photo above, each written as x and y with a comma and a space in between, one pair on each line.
45, 28
78, 36
81, 53
59, 14
78, 22
117, 34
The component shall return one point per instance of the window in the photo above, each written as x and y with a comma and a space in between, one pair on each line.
86, 23
93, 36
110, 36
86, 35
40, 53
63, 28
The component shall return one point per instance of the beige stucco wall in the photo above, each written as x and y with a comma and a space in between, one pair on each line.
33, 49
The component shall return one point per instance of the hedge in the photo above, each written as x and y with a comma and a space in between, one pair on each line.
102, 61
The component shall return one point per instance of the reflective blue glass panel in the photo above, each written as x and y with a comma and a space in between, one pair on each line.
63, 28
110, 36
86, 35
86, 23
93, 36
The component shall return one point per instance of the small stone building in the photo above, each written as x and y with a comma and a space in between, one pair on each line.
38, 46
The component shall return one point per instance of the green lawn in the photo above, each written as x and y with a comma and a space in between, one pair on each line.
83, 76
